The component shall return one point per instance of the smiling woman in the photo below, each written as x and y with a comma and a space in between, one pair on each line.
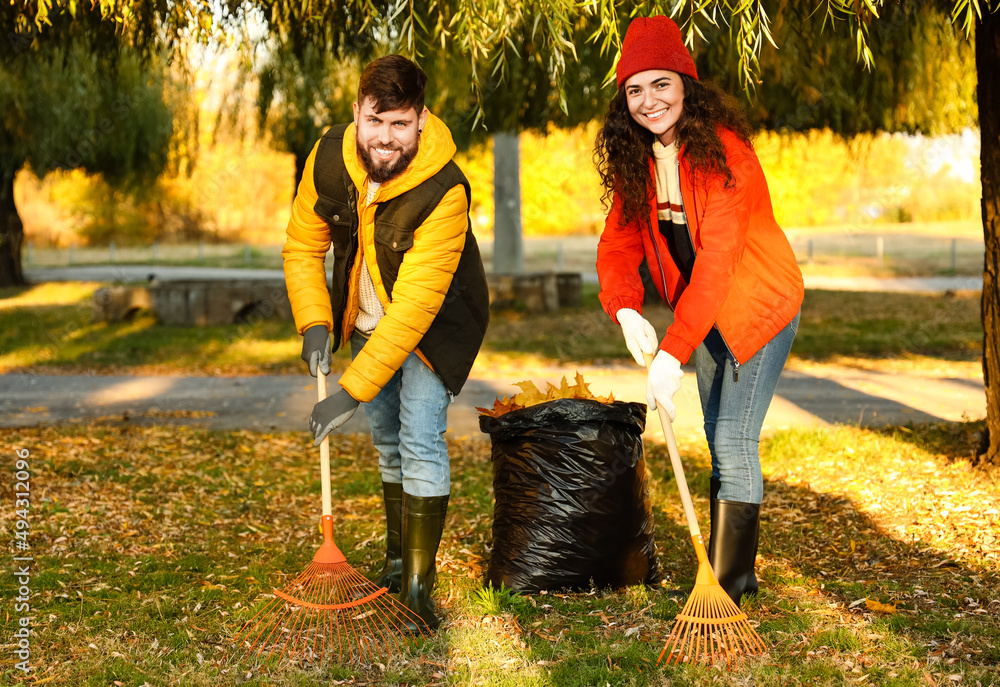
688, 196
656, 100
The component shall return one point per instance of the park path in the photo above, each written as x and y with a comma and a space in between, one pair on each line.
806, 397
814, 397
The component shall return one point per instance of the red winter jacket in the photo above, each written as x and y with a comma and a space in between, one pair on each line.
745, 279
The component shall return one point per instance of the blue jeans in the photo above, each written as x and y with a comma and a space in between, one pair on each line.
408, 419
734, 410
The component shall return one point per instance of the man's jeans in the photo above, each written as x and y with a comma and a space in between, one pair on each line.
408, 419
734, 410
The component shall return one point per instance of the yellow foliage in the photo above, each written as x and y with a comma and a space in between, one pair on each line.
560, 188
816, 178
235, 191
242, 190
531, 395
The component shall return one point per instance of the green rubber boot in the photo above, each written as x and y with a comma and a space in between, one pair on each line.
392, 572
423, 524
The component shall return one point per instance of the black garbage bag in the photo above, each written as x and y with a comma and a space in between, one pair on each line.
572, 501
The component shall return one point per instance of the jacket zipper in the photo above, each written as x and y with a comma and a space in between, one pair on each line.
338, 322
687, 225
659, 264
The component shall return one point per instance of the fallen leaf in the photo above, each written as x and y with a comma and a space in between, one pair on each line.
877, 607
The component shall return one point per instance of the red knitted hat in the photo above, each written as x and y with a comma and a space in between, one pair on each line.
654, 43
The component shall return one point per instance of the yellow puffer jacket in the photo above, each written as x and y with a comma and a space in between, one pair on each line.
424, 276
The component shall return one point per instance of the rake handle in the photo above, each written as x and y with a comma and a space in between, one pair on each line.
675, 461
324, 452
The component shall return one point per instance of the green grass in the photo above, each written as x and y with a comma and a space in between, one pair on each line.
152, 544
840, 324
48, 328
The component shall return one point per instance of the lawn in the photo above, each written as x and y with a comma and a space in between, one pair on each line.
152, 544
48, 329
878, 564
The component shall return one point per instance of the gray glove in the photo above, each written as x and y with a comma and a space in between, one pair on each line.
331, 413
316, 345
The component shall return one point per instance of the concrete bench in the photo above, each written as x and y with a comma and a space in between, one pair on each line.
193, 302
197, 302
536, 292
119, 303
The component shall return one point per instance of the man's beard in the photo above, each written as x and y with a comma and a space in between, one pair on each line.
379, 171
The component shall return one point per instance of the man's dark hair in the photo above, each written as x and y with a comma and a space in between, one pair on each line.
394, 83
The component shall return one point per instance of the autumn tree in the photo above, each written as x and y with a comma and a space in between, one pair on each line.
511, 91
305, 83
298, 97
73, 94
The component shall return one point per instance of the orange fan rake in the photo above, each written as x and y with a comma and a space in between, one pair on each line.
330, 611
710, 627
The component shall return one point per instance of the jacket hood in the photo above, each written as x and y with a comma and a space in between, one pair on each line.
436, 148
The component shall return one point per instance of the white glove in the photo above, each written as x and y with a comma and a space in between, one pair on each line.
665, 375
640, 337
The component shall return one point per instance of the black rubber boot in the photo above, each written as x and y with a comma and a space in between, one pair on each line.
392, 573
423, 524
713, 491
732, 546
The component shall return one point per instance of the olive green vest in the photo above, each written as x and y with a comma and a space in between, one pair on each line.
454, 337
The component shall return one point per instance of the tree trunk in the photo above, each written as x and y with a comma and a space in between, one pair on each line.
11, 233
300, 169
988, 70
508, 254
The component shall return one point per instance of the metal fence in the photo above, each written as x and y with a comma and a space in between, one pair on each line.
903, 254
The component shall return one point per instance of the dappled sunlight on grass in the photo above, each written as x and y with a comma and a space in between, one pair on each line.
38, 324
251, 351
887, 325
884, 474
878, 555
50, 329
490, 650
39, 334
49, 293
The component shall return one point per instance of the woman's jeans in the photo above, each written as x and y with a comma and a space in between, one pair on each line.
734, 409
408, 419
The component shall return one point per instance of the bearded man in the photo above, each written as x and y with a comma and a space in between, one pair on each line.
408, 294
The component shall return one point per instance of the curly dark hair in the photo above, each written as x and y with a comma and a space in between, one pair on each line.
624, 147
